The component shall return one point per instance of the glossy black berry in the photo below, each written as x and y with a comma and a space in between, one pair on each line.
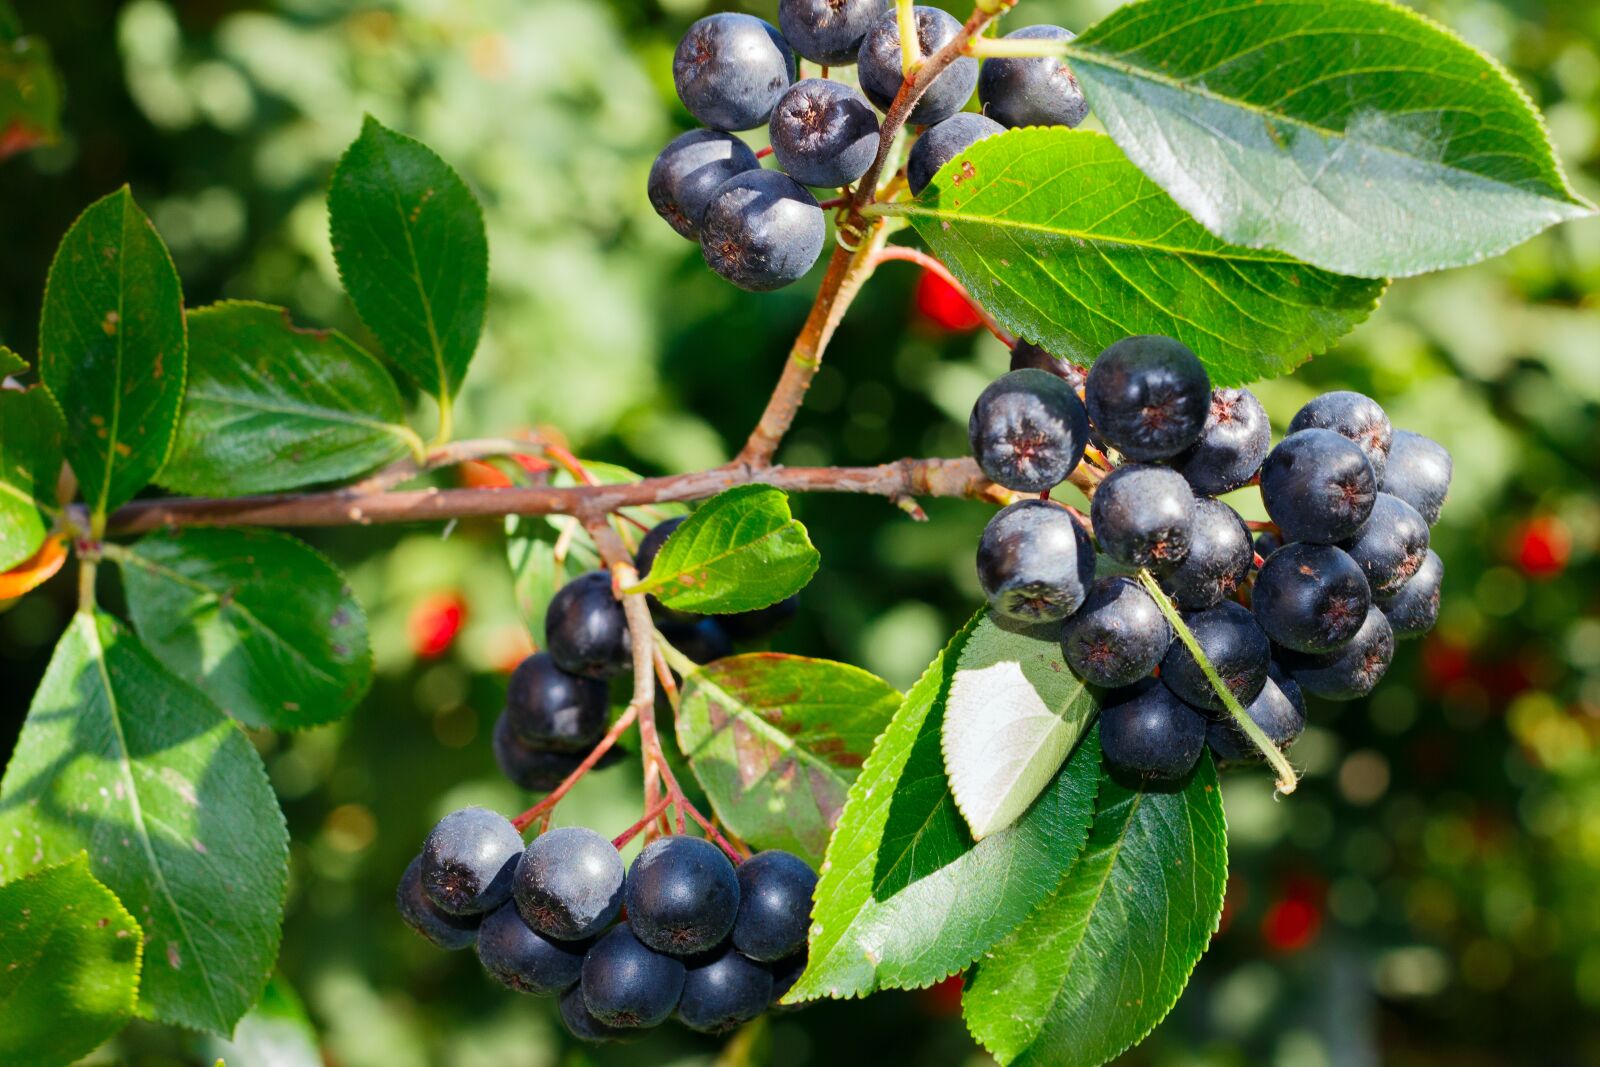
1236, 646
627, 984
1035, 562
1147, 732
723, 991
1415, 608
1036, 91
824, 133
1351, 671
1219, 559
762, 230
469, 860
1143, 515
1028, 431
1310, 598
1318, 486
1391, 544
682, 895
1118, 636
775, 890
1148, 396
582, 1024
548, 708
758, 625
785, 973
439, 927
1279, 709
1026, 355
702, 640
1418, 472
880, 72
1267, 543
585, 629
528, 962
730, 70
940, 144
689, 170
828, 32
569, 883
530, 767
1353, 416
1232, 444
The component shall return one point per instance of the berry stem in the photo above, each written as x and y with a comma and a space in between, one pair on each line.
764, 152
905, 16
650, 816
929, 263
1015, 48
1287, 778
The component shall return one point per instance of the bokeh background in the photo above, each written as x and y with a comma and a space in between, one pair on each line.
1430, 896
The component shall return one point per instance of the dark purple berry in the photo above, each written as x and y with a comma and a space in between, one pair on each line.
1034, 91
469, 860
1418, 472
1236, 646
550, 709
528, 962
582, 1024
723, 991
1310, 598
682, 895
1279, 709
880, 72
538, 770
689, 170
758, 625
775, 890
762, 230
1028, 431
586, 629
702, 640
1118, 636
439, 927
785, 973
1232, 444
1318, 486
1349, 672
1415, 608
730, 70
1219, 559
940, 144
1143, 516
1354, 417
569, 883
1391, 544
828, 32
628, 985
1148, 396
1146, 731
824, 133
1035, 562
1267, 543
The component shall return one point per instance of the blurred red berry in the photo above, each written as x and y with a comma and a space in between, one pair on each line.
477, 475
1295, 919
943, 998
435, 622
1541, 546
944, 305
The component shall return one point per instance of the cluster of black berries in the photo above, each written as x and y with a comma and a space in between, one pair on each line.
681, 931
559, 701
1345, 573
762, 229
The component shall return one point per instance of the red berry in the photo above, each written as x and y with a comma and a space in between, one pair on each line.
944, 305
434, 623
1542, 546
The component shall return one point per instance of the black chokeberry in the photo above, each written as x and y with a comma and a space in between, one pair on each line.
627, 984
1027, 355
824, 133
1415, 608
775, 890
761, 623
1146, 731
1267, 543
785, 973
439, 927
1219, 559
569, 883
723, 991
1236, 646
1232, 444
1035, 562
730, 70
530, 767
1351, 671
1032, 91
469, 860
1310, 598
586, 629
521, 959
1279, 709
703, 640
1418, 472
1028, 430
1391, 544
1143, 515
1353, 416
689, 170
1148, 396
1118, 636
880, 72
581, 1023
548, 708
682, 895
1318, 486
762, 230
943, 142
828, 32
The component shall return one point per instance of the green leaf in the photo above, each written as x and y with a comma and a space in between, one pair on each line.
776, 741
10, 362
112, 348
739, 551
30, 464
69, 965
1069, 245
122, 760
1354, 134
1013, 713
275, 1033
906, 896
30, 90
259, 621
1104, 958
409, 240
271, 406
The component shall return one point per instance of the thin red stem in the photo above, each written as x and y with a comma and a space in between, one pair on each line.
631, 832
763, 153
618, 728
929, 263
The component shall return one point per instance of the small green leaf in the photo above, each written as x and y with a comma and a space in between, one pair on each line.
122, 760
30, 464
906, 896
739, 551
1353, 134
409, 240
69, 965
10, 362
776, 741
271, 406
1104, 958
275, 1033
259, 621
30, 90
112, 348
1070, 246
1013, 713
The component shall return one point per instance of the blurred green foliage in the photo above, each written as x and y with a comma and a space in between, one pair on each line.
1428, 897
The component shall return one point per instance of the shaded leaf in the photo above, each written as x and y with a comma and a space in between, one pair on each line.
30, 90
69, 965
1069, 245
122, 760
259, 621
30, 465
776, 741
275, 1033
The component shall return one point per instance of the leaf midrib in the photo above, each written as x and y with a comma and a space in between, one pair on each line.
314, 413
415, 264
